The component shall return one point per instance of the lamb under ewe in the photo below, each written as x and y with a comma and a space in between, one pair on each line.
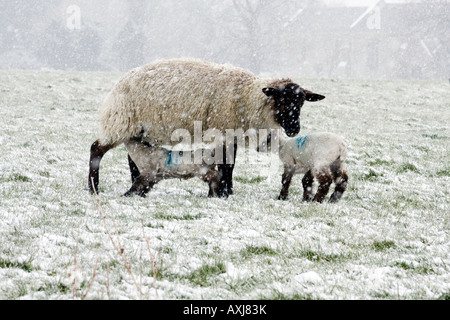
157, 163
166, 95
320, 156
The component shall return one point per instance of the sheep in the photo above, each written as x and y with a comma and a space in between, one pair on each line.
172, 94
320, 156
157, 163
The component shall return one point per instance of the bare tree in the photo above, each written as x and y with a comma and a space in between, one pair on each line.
130, 44
250, 13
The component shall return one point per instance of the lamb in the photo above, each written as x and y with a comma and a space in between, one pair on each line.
320, 156
172, 94
158, 163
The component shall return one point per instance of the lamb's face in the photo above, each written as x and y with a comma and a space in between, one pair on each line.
288, 102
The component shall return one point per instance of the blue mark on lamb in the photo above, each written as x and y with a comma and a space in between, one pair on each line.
173, 158
301, 141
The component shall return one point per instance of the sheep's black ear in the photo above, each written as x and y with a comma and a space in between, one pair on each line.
271, 92
311, 96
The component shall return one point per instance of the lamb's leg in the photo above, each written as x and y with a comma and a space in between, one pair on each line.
341, 186
286, 182
325, 179
134, 170
212, 177
141, 185
307, 183
97, 153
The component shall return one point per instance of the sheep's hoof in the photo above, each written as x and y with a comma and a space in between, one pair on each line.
212, 194
333, 200
223, 195
130, 194
335, 197
282, 197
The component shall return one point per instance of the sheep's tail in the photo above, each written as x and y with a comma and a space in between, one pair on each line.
343, 152
118, 120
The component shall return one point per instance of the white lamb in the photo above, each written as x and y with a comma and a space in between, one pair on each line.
157, 163
320, 156
166, 95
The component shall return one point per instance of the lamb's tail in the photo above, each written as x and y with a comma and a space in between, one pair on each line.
338, 164
335, 167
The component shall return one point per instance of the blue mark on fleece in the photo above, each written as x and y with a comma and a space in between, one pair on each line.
169, 158
301, 141
172, 158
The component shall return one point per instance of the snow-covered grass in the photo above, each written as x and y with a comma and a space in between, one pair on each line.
388, 238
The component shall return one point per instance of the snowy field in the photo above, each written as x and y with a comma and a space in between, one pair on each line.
388, 238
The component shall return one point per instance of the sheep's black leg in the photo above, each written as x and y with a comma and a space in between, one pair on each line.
97, 153
325, 179
230, 171
307, 183
141, 185
286, 181
226, 172
341, 186
133, 169
222, 191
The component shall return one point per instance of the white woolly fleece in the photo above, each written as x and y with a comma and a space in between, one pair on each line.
171, 94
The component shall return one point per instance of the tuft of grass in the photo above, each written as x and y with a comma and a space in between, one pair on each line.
443, 173
421, 269
202, 276
250, 251
44, 174
383, 245
277, 295
320, 256
432, 136
25, 265
78, 212
379, 162
53, 288
372, 175
250, 180
445, 296
155, 226
169, 217
16, 177
405, 167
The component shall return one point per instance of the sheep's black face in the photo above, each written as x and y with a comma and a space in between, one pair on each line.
288, 102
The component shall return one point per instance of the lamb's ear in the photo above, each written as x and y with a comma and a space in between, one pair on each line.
271, 92
311, 96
